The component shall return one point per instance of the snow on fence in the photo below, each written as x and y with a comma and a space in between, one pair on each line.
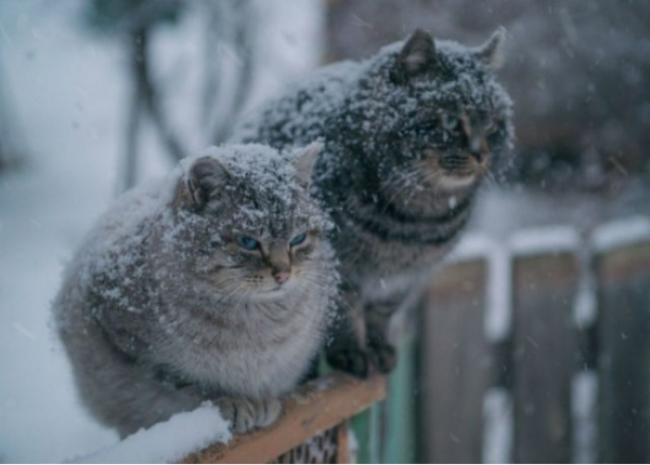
537, 349
313, 426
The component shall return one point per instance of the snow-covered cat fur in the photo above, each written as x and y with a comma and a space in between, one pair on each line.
214, 284
408, 136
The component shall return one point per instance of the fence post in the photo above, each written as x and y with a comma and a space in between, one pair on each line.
545, 276
623, 270
456, 365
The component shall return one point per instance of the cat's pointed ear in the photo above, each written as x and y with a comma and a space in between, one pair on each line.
491, 53
202, 180
305, 160
418, 53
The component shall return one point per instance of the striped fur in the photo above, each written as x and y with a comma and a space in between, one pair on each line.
408, 136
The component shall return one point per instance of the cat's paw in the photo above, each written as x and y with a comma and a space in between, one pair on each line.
351, 360
267, 412
383, 356
246, 414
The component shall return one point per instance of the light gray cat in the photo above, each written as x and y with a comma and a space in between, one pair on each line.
214, 284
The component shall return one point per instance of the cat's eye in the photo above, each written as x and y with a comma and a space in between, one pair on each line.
248, 243
297, 240
449, 122
491, 128
427, 126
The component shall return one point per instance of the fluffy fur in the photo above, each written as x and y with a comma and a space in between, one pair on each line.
409, 134
214, 284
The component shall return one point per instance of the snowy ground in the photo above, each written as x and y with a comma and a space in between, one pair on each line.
69, 91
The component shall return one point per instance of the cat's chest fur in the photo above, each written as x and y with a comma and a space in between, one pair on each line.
374, 264
270, 344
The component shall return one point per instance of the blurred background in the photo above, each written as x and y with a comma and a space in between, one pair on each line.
533, 342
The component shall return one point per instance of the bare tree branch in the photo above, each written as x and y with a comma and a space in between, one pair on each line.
212, 79
133, 124
141, 72
243, 43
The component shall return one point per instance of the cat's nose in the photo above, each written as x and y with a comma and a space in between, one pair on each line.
281, 277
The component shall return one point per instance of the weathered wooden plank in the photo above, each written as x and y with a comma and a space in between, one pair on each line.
455, 366
316, 407
544, 288
624, 362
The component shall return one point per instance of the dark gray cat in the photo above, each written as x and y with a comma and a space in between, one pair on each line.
408, 135
214, 284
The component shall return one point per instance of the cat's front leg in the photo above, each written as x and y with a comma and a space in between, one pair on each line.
381, 352
380, 314
247, 414
345, 348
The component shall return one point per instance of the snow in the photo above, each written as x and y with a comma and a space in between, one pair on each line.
498, 318
498, 426
498, 313
473, 245
44, 211
622, 232
584, 396
168, 441
543, 240
585, 306
68, 91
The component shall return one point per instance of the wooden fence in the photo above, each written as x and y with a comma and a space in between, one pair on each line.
537, 349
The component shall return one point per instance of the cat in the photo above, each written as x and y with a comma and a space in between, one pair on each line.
408, 136
214, 284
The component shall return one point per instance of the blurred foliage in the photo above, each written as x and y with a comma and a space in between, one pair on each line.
578, 72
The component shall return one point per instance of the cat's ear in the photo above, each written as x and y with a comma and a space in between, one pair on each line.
203, 179
304, 161
491, 53
418, 53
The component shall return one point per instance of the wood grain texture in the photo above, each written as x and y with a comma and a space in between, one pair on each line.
544, 352
624, 359
456, 365
316, 407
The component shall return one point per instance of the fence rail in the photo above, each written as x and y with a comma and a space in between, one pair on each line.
315, 408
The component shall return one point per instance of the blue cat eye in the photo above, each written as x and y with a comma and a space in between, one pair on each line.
449, 122
297, 240
248, 243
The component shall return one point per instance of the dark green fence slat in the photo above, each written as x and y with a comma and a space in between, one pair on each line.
399, 429
366, 431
